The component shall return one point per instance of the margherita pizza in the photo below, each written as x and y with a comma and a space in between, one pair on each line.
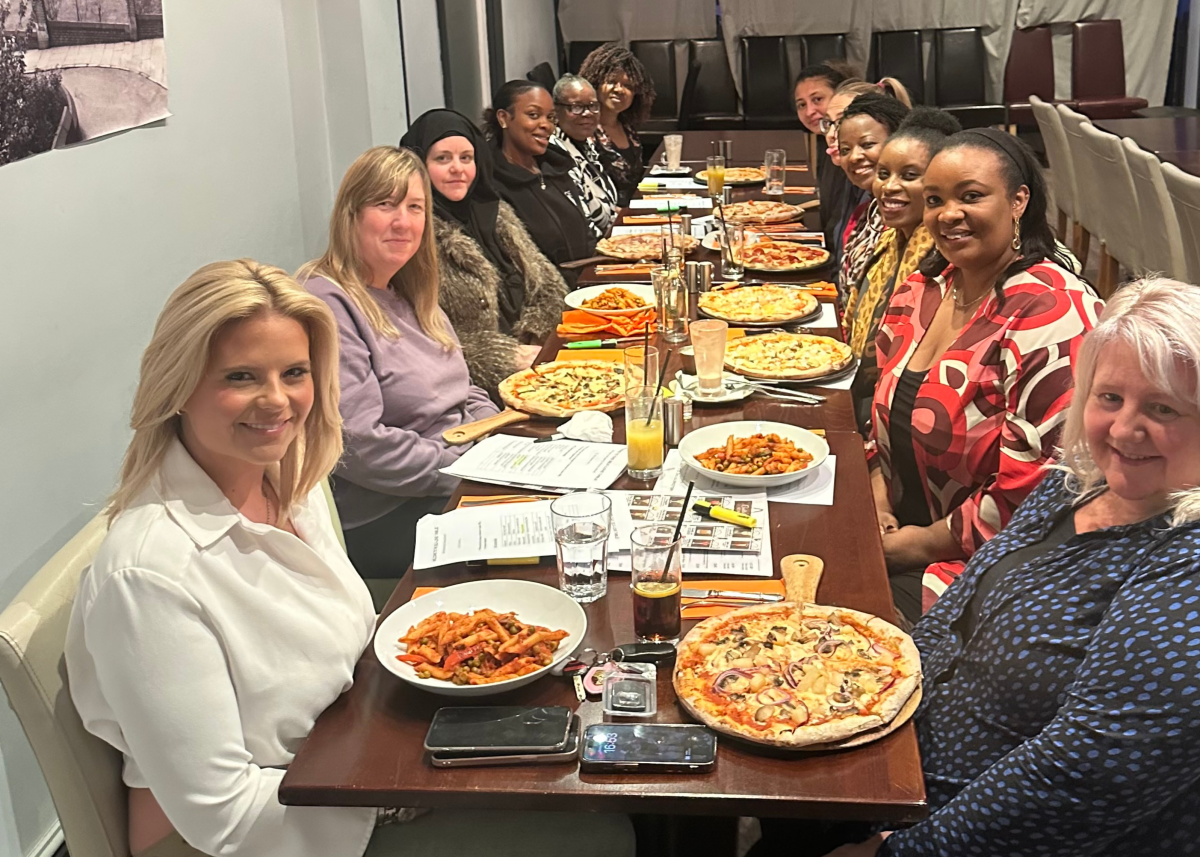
738, 175
758, 304
642, 245
768, 255
793, 675
566, 387
787, 356
760, 211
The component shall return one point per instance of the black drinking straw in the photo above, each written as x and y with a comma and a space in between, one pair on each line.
687, 498
662, 374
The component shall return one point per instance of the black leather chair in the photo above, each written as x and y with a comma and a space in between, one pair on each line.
822, 47
658, 56
577, 52
710, 99
767, 83
959, 75
542, 73
898, 54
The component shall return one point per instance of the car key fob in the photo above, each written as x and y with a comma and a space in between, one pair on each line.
643, 653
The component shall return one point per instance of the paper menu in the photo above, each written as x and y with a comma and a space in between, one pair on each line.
484, 532
569, 465
649, 185
689, 202
815, 489
637, 508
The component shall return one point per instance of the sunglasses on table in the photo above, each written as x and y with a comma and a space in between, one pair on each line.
580, 109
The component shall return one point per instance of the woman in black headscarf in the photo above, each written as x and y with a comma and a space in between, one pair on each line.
502, 295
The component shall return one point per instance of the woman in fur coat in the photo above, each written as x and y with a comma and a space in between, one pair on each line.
502, 295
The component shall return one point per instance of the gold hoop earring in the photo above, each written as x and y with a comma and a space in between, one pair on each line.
1016, 242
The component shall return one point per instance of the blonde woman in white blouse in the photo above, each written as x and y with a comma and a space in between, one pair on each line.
221, 616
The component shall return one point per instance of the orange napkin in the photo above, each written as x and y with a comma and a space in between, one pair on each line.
800, 169
613, 355
578, 322
774, 587
626, 269
804, 190
645, 219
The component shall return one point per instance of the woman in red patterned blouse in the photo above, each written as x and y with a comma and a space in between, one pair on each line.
976, 355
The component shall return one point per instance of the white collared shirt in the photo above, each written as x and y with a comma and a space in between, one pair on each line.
203, 646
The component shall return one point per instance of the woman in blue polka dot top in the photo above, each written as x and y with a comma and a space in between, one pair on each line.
1062, 695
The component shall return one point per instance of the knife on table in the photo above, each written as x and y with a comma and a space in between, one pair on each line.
732, 595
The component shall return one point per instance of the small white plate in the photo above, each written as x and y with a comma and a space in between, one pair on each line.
734, 390
575, 299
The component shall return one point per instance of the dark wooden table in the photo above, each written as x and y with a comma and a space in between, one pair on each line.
1158, 134
748, 148
366, 749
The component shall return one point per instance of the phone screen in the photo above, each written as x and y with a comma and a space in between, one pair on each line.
649, 742
499, 727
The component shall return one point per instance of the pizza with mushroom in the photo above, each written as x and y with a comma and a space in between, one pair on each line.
793, 675
566, 387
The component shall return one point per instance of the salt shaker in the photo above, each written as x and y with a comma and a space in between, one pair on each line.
685, 222
672, 420
706, 272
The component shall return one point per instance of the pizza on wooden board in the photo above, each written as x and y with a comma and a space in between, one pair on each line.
738, 175
787, 356
794, 675
566, 387
641, 245
760, 211
752, 304
783, 256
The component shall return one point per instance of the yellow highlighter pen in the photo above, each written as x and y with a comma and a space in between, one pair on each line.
720, 513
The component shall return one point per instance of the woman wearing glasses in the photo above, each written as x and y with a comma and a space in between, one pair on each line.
534, 177
626, 95
578, 112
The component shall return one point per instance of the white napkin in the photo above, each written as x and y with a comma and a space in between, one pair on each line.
592, 426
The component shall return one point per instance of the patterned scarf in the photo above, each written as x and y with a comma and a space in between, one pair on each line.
889, 268
860, 245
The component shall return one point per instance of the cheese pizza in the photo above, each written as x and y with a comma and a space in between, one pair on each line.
758, 304
771, 255
795, 675
787, 356
566, 387
642, 245
738, 175
760, 211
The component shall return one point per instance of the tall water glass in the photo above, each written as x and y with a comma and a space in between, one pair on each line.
673, 144
641, 366
644, 432
582, 521
714, 171
670, 295
708, 343
733, 243
657, 581
775, 166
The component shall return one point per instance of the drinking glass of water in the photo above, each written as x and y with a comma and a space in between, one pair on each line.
582, 521
775, 167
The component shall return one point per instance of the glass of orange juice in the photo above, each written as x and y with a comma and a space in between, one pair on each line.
714, 171
644, 432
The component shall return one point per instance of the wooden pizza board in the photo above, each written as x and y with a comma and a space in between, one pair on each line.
801, 578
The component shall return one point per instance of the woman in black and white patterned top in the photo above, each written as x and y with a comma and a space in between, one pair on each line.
578, 112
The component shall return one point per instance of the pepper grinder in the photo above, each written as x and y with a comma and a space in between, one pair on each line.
672, 420
705, 273
685, 222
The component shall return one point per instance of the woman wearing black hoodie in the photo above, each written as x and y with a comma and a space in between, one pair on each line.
533, 179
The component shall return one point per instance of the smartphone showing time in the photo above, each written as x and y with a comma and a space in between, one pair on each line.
666, 747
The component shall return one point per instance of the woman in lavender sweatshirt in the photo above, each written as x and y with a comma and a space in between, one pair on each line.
403, 377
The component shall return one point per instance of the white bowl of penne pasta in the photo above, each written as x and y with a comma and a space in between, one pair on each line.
480, 638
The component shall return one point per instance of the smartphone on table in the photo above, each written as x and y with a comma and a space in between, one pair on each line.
499, 730
649, 747
474, 759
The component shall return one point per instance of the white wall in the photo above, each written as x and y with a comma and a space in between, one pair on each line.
529, 37
271, 100
422, 56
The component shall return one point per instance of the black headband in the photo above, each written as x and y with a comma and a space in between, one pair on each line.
1010, 146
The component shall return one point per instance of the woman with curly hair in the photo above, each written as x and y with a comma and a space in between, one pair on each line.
626, 95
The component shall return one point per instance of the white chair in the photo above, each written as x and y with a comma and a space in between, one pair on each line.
1185, 197
1161, 243
1117, 220
1062, 172
1085, 190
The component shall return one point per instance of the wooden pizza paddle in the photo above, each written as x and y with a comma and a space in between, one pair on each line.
801, 577
468, 432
